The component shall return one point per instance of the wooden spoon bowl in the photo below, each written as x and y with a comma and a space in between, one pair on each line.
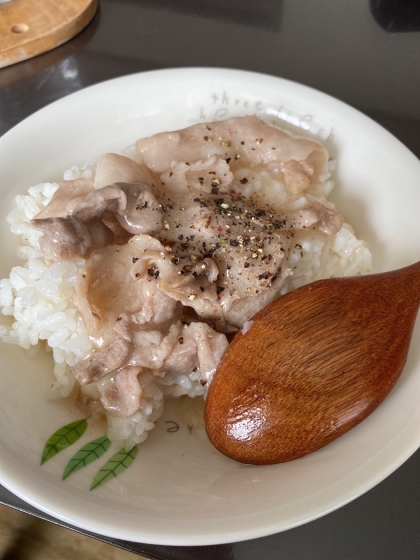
312, 365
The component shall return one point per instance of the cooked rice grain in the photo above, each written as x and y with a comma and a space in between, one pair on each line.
40, 297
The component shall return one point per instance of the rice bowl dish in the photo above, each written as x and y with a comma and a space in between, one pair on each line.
194, 294
180, 490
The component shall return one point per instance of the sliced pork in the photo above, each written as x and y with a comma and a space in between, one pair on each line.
110, 299
66, 198
178, 251
123, 393
248, 139
63, 238
100, 362
113, 168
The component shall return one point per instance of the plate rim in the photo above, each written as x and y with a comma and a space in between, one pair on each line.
274, 526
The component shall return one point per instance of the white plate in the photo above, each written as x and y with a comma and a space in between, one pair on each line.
180, 491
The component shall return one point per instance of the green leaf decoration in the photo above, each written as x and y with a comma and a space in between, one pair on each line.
114, 467
63, 438
86, 455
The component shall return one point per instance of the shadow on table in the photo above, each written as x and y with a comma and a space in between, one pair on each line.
216, 552
396, 15
264, 13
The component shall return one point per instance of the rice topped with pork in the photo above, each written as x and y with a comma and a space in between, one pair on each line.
138, 270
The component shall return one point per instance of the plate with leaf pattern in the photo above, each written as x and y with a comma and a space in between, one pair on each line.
175, 488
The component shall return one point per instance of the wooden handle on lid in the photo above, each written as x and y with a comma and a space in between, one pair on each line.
31, 27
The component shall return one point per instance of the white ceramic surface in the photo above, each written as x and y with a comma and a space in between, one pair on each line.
180, 491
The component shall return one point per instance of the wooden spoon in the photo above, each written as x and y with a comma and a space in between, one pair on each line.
311, 366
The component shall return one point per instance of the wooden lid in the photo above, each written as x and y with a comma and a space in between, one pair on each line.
30, 27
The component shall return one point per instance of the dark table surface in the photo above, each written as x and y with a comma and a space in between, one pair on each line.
366, 54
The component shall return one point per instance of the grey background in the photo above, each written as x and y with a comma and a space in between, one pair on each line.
366, 54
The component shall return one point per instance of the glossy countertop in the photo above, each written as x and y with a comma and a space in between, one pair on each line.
365, 54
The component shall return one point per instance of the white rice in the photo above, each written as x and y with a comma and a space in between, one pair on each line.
40, 297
